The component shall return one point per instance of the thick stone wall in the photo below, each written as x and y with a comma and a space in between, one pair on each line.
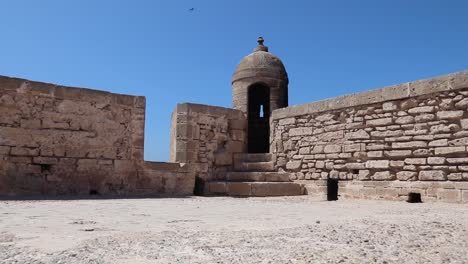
383, 143
62, 140
207, 137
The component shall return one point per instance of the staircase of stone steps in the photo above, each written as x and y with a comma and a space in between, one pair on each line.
254, 175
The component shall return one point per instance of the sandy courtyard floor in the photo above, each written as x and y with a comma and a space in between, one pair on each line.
232, 230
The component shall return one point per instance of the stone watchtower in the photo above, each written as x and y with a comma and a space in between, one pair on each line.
259, 86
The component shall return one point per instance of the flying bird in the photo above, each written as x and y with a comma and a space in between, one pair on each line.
191, 9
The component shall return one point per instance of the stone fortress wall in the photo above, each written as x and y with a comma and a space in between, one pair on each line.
62, 140
379, 144
382, 143
207, 137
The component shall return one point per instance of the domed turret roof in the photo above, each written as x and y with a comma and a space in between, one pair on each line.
260, 63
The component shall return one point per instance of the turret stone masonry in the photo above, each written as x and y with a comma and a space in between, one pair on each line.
398, 142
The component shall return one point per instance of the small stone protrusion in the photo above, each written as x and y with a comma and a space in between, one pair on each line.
260, 46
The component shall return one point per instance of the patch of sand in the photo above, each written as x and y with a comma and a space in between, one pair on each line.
232, 230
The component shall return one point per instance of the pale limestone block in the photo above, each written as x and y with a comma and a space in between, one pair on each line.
397, 153
287, 121
360, 134
300, 131
462, 103
458, 176
438, 143
379, 122
424, 118
457, 160
383, 175
355, 166
410, 167
397, 163
459, 142
386, 134
389, 106
377, 164
364, 175
304, 150
464, 123
375, 154
449, 114
324, 117
352, 148
432, 175
421, 109
411, 144
332, 149
404, 120
415, 161
447, 195
293, 165
320, 164
406, 175
449, 150
435, 160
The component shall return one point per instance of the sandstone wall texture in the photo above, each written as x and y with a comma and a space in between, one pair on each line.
62, 140
383, 143
207, 137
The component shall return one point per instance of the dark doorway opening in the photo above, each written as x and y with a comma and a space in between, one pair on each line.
414, 197
259, 119
332, 189
199, 186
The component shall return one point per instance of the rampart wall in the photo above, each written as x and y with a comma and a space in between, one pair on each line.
61, 140
207, 137
382, 143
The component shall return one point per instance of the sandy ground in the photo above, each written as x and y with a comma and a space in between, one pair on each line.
232, 230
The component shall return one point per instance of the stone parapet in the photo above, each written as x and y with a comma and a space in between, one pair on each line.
448, 82
415, 132
207, 136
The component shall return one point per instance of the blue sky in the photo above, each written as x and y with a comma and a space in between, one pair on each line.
163, 51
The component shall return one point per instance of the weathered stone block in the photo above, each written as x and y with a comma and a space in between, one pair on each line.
364, 175
415, 161
383, 176
397, 153
406, 175
432, 175
287, 121
449, 114
293, 165
380, 122
389, 106
19, 151
404, 120
421, 109
449, 150
332, 149
300, 131
360, 134
411, 144
239, 188
449, 195
435, 160
377, 164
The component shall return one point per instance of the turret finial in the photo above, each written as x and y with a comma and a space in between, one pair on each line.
260, 46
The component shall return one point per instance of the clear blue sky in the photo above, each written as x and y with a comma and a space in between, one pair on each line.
161, 50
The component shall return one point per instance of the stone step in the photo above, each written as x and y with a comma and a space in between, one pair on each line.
252, 157
255, 166
258, 176
259, 189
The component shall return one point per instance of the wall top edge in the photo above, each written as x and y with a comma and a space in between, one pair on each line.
60, 91
207, 109
449, 82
